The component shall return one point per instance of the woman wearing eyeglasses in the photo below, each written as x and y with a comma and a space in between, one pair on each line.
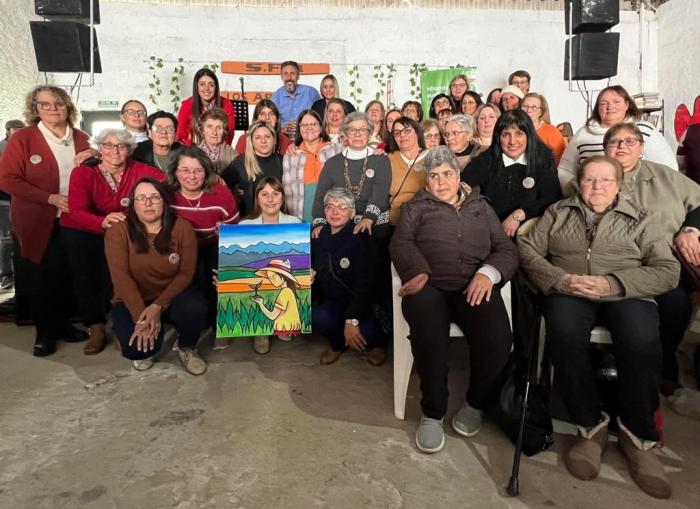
459, 132
612, 106
133, 117
406, 153
152, 257
345, 265
200, 198
35, 170
675, 199
98, 199
365, 175
431, 133
302, 169
156, 151
600, 258
535, 105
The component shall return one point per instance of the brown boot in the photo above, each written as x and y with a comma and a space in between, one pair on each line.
583, 457
96, 343
645, 467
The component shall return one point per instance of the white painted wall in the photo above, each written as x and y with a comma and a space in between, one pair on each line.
17, 64
679, 57
496, 41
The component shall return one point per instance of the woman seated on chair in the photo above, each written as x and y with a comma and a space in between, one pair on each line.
344, 265
152, 257
675, 199
601, 259
453, 256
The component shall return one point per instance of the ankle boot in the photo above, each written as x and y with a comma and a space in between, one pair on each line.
583, 457
643, 463
96, 343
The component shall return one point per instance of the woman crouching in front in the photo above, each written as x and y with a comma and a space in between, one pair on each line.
452, 256
152, 258
599, 259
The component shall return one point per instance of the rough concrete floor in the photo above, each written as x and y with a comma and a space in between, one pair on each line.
274, 431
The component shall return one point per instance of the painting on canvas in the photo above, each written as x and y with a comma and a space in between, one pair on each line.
264, 280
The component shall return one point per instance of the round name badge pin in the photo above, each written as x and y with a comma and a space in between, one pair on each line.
370, 173
124, 202
35, 159
528, 182
174, 258
344, 263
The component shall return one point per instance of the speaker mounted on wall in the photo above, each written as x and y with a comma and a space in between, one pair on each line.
68, 10
594, 56
64, 46
591, 15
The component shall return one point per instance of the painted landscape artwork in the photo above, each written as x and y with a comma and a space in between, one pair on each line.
264, 280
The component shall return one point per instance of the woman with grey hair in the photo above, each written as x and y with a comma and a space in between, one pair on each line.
344, 265
459, 137
453, 256
97, 200
365, 175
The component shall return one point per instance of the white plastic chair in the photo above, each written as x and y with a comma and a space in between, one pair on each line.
403, 358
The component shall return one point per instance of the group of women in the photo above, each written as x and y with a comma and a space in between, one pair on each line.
444, 198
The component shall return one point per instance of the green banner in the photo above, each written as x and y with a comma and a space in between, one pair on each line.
437, 82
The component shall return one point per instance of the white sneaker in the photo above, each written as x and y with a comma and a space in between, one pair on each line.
191, 361
143, 364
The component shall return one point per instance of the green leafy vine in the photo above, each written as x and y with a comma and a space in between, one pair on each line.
354, 84
414, 79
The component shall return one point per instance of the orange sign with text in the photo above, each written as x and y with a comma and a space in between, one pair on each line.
250, 97
270, 68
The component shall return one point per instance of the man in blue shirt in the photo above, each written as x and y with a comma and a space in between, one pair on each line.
292, 98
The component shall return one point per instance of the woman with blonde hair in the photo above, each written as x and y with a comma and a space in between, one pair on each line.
329, 89
375, 112
260, 160
486, 116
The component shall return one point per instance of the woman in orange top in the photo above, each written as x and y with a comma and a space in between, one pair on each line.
535, 105
302, 167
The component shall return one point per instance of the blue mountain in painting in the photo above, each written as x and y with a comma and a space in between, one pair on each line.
267, 248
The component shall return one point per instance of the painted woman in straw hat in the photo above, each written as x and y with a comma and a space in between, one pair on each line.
285, 312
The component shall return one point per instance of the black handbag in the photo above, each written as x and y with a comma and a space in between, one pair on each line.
538, 433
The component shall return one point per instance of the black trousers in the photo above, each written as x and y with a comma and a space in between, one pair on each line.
50, 281
91, 281
634, 327
675, 312
207, 259
187, 312
429, 314
329, 322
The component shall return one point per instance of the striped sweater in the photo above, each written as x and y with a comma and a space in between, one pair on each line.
588, 141
208, 211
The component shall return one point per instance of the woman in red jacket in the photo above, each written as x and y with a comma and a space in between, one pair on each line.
98, 198
35, 169
205, 95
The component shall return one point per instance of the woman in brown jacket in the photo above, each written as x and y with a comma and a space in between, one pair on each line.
152, 258
35, 170
452, 256
599, 259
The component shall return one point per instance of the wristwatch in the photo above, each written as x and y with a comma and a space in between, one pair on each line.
353, 321
689, 229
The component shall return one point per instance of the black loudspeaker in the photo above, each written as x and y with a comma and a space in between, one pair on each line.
63, 46
594, 56
592, 15
68, 9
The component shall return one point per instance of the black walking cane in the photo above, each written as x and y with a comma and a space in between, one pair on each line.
513, 488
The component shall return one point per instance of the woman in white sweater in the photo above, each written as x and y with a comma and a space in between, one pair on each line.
613, 106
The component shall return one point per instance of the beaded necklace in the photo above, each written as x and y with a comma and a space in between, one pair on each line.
355, 190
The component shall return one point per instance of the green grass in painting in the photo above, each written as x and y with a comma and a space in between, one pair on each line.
238, 316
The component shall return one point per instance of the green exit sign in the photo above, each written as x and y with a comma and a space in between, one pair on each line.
107, 104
